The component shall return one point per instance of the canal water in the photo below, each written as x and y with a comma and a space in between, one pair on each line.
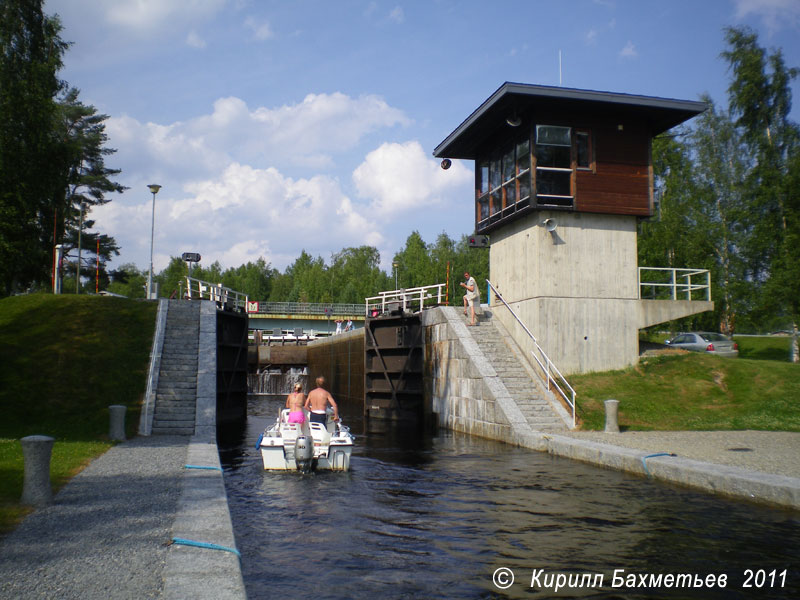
449, 516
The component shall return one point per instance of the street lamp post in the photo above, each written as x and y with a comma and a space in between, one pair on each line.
154, 190
395, 265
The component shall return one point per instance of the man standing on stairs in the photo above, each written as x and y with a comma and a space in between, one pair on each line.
472, 297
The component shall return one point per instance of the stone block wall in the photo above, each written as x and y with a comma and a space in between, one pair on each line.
462, 389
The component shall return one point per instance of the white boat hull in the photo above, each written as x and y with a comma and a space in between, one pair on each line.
333, 445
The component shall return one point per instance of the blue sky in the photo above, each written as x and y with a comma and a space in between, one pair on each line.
277, 126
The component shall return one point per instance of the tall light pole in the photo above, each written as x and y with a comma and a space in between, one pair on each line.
154, 189
395, 265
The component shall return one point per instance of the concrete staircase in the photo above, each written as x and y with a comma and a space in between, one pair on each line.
176, 395
526, 392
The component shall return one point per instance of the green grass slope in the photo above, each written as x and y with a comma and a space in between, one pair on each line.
696, 392
63, 361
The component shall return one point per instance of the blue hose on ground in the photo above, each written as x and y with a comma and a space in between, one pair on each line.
201, 467
644, 458
184, 542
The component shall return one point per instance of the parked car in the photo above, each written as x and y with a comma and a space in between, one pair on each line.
704, 341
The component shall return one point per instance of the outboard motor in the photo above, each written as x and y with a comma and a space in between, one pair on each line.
304, 453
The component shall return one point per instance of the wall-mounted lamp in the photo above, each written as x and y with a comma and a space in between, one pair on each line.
513, 120
445, 164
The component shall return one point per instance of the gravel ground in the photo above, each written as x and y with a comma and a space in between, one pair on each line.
776, 452
104, 536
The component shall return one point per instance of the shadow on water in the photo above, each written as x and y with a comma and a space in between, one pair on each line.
435, 515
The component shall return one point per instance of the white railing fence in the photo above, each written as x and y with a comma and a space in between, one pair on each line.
197, 289
674, 284
550, 374
414, 299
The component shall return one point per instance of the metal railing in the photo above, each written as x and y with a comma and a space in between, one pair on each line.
197, 289
675, 284
305, 308
405, 299
552, 376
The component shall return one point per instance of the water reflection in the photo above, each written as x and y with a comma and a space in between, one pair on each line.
435, 518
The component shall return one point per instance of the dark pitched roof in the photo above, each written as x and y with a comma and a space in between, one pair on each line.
520, 98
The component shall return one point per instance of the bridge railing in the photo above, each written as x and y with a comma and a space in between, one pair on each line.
196, 289
305, 308
674, 284
408, 299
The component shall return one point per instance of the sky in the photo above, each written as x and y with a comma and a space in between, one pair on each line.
280, 126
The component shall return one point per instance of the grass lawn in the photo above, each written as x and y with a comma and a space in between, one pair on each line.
63, 361
694, 391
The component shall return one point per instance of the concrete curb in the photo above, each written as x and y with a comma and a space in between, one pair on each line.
777, 490
203, 516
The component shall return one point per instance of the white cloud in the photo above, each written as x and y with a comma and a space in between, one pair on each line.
224, 193
147, 15
775, 14
629, 51
399, 179
194, 40
397, 15
242, 214
261, 30
308, 133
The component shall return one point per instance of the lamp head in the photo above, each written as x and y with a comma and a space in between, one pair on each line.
154, 187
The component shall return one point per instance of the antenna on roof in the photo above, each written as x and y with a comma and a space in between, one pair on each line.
559, 68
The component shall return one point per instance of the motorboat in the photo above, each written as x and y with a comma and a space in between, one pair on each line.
305, 446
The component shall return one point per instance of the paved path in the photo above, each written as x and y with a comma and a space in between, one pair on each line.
104, 536
777, 453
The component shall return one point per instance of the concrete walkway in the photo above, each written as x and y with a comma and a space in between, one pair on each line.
775, 452
107, 532
751, 465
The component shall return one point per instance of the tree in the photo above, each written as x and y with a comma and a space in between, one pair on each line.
86, 181
31, 156
721, 217
356, 274
128, 281
760, 99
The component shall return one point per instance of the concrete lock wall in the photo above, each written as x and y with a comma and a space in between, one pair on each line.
340, 359
575, 288
461, 388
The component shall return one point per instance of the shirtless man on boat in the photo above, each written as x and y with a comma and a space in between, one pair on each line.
317, 402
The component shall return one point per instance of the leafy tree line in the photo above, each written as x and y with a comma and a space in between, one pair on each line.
52, 156
350, 275
729, 199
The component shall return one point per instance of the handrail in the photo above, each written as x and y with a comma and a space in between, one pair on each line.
404, 298
225, 297
548, 365
673, 285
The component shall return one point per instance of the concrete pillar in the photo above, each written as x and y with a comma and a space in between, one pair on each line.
117, 422
36, 452
612, 410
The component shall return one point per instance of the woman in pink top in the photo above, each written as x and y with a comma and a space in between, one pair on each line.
294, 402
